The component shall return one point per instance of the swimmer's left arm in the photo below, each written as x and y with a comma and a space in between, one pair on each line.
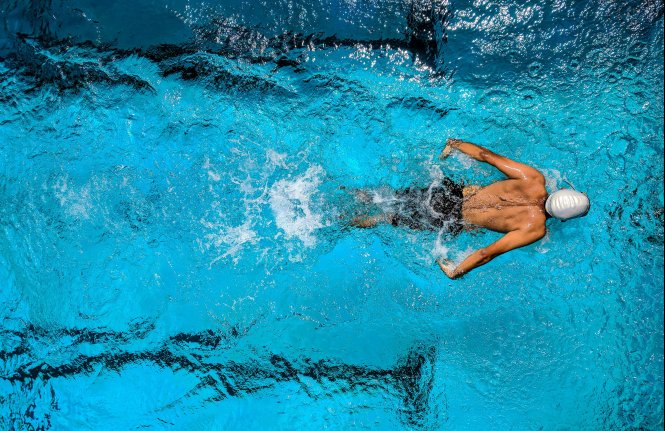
508, 242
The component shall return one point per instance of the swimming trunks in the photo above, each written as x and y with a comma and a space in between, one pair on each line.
436, 207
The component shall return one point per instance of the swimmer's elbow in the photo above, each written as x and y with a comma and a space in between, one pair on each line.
484, 155
537, 233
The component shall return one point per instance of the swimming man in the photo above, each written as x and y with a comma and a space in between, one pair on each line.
518, 206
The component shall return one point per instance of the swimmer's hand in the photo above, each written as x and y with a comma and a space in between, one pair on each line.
448, 267
450, 144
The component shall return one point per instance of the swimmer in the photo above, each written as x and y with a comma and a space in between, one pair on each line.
518, 206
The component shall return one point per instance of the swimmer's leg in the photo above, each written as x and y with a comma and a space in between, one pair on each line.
364, 197
366, 222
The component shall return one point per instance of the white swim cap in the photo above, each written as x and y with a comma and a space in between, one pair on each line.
565, 204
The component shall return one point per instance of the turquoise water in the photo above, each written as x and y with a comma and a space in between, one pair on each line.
174, 252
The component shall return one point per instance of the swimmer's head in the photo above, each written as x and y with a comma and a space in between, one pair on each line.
565, 204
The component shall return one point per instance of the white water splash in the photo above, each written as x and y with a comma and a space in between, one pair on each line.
292, 206
233, 239
383, 197
440, 250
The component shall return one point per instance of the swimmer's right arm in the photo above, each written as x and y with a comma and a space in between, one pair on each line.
510, 168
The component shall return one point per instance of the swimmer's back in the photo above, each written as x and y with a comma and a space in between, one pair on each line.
507, 206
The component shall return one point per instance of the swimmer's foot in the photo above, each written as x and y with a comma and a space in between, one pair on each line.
365, 222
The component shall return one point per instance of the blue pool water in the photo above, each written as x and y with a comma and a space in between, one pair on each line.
174, 185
